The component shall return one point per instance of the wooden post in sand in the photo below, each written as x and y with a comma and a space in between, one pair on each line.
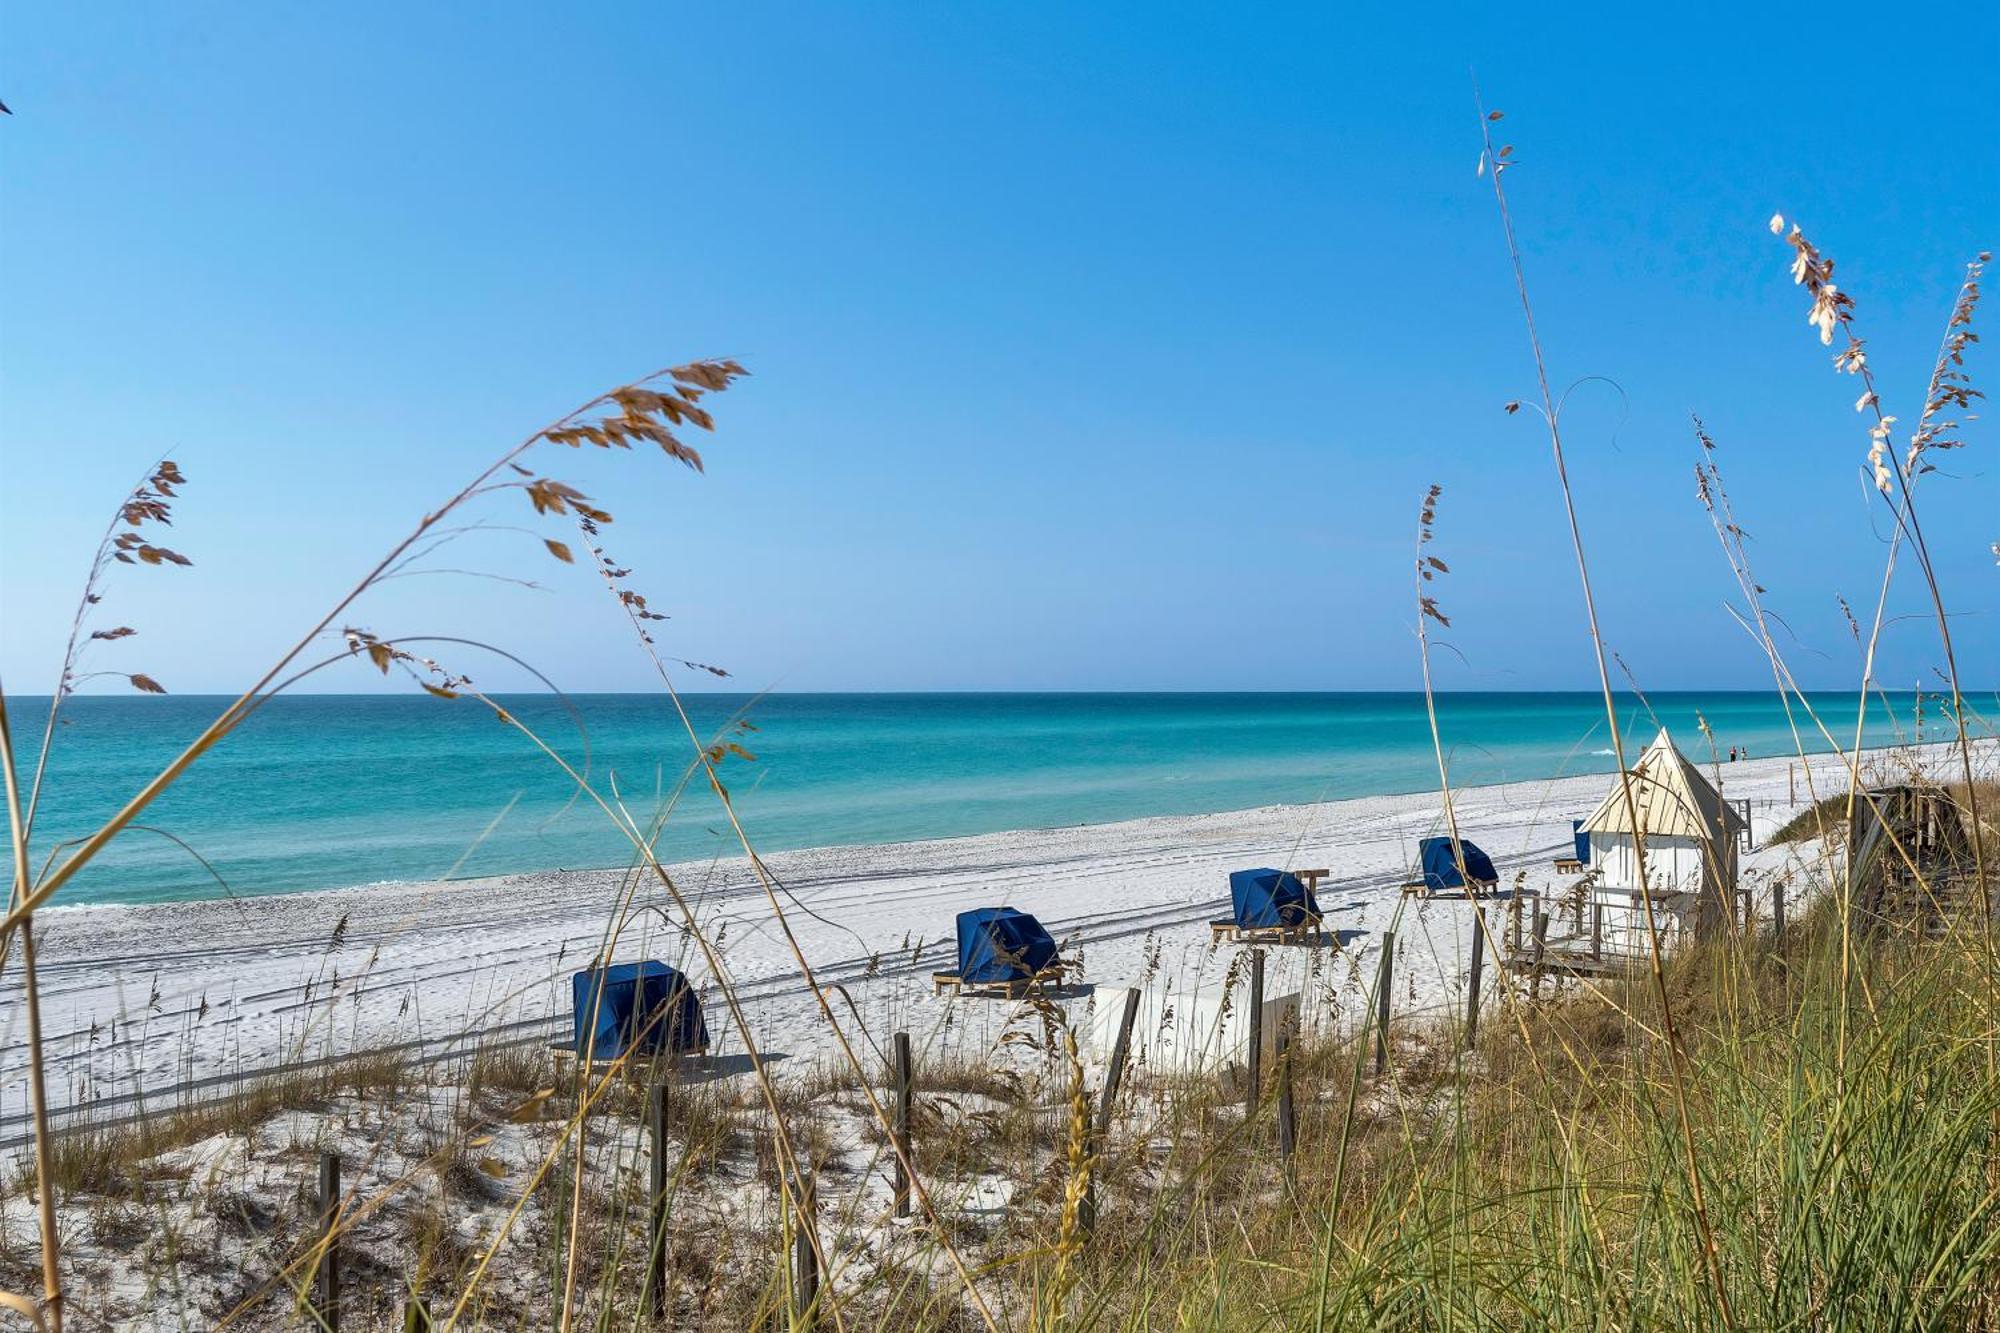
1288, 1126
805, 1260
1119, 1050
905, 1084
1255, 1059
326, 1288
1101, 1131
1385, 975
1541, 949
1778, 914
1472, 983
655, 1304
1597, 930
1791, 784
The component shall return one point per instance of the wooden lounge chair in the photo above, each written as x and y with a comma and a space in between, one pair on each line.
636, 1066
1478, 888
1305, 932
1011, 989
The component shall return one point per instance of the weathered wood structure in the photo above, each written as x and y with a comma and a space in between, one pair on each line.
1911, 864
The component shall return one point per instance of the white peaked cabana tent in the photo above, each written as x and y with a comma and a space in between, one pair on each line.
1684, 856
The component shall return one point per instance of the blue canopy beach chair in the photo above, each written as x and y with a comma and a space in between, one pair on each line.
642, 1009
1267, 904
1001, 950
1440, 868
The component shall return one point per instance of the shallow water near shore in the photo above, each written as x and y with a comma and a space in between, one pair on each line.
320, 791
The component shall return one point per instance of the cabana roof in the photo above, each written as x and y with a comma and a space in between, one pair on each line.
1673, 799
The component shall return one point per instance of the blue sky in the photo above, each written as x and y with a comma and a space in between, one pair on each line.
1091, 349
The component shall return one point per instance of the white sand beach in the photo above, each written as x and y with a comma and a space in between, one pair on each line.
145, 1004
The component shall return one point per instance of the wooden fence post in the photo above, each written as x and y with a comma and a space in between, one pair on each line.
1101, 1131
1514, 905
1541, 950
905, 1091
1596, 929
1119, 1050
656, 1231
326, 1295
1472, 983
1288, 1128
1256, 1053
1385, 974
1778, 913
805, 1261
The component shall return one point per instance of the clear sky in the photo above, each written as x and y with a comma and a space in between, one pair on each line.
1093, 347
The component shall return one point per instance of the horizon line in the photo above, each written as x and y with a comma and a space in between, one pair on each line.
959, 692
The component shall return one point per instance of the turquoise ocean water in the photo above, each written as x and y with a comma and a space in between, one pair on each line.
321, 791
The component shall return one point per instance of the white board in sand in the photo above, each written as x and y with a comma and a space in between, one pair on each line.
1186, 1030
